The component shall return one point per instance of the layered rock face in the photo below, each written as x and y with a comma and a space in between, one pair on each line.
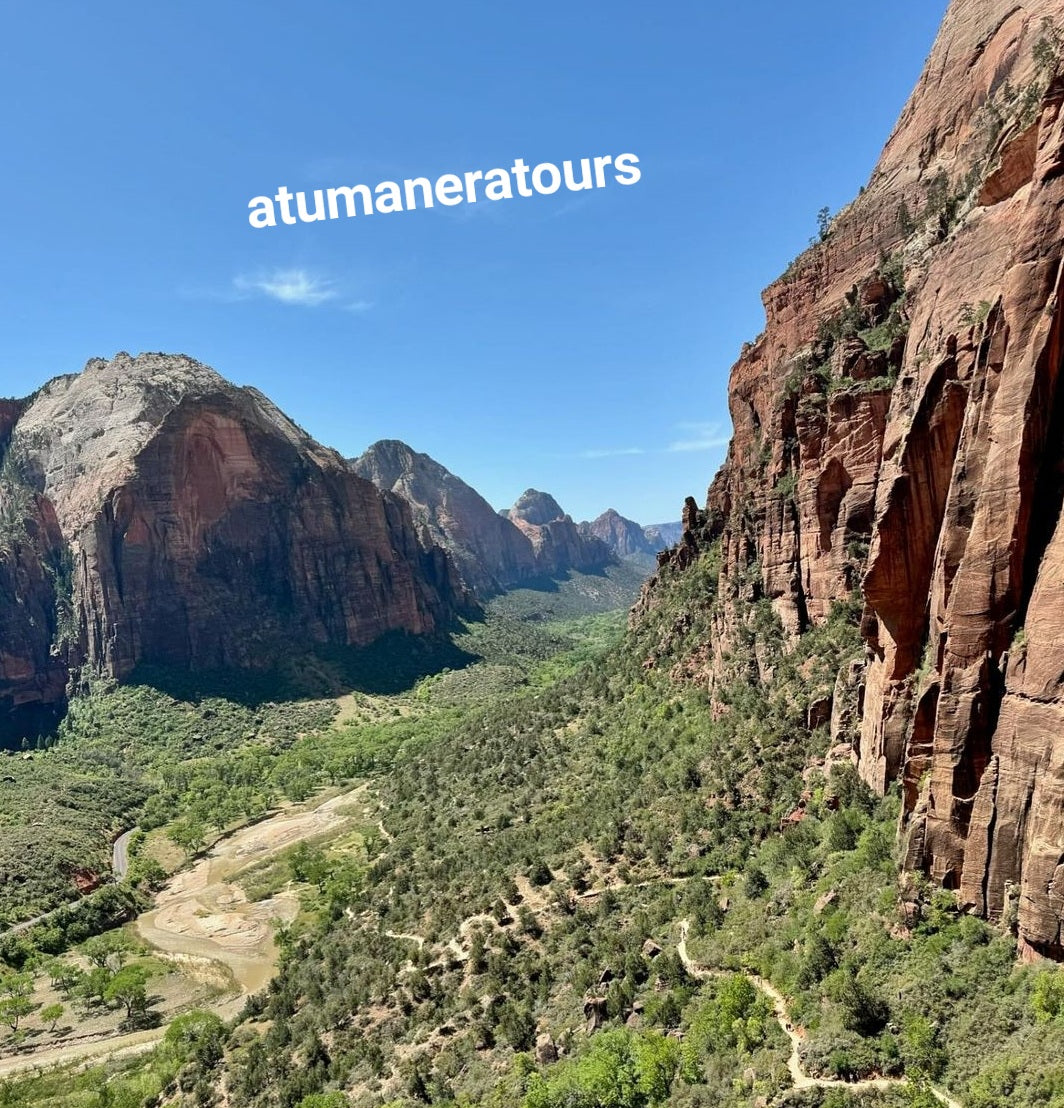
490, 552
624, 537
663, 535
202, 528
493, 551
899, 433
556, 540
33, 649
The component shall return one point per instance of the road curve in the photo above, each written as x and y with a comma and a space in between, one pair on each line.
200, 915
120, 854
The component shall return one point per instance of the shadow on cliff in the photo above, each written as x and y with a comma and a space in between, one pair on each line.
23, 727
392, 664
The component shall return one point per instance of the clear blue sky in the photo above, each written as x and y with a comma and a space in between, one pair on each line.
578, 343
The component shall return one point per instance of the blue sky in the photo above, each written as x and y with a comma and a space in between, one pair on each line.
578, 343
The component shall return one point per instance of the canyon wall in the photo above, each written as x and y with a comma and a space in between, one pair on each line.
899, 438
192, 525
493, 551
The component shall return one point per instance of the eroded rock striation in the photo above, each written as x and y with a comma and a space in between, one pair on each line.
623, 536
189, 523
490, 552
558, 543
33, 645
899, 435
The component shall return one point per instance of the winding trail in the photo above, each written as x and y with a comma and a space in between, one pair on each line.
801, 1079
418, 939
621, 887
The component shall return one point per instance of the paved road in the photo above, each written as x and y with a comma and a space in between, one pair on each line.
120, 865
120, 854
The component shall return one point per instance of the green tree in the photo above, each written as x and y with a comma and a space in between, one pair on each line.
657, 1059
16, 1002
196, 1035
920, 1048
1047, 997
128, 987
189, 834
92, 986
863, 1009
13, 1009
52, 1014
324, 1100
147, 872
109, 950
620, 1070
19, 985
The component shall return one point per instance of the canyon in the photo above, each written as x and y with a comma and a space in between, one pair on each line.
493, 551
899, 437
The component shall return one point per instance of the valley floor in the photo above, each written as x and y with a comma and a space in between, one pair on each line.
553, 878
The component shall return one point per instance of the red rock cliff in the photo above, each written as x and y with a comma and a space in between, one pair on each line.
204, 529
33, 647
557, 542
899, 430
491, 554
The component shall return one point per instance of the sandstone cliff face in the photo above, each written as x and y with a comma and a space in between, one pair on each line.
899, 431
491, 554
624, 537
203, 529
663, 535
33, 651
556, 540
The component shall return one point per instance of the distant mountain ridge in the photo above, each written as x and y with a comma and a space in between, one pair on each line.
493, 551
664, 535
629, 540
491, 554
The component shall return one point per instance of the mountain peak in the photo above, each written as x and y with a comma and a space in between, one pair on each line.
537, 508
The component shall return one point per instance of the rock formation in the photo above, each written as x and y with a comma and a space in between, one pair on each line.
899, 432
624, 537
556, 540
33, 653
199, 528
490, 552
493, 551
663, 535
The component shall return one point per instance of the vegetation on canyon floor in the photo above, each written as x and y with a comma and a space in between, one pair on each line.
572, 887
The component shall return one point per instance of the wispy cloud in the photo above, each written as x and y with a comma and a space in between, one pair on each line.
619, 452
699, 436
573, 204
690, 438
289, 286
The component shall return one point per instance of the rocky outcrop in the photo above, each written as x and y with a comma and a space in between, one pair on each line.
663, 535
490, 552
202, 529
898, 431
556, 540
623, 537
10, 410
493, 551
33, 650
